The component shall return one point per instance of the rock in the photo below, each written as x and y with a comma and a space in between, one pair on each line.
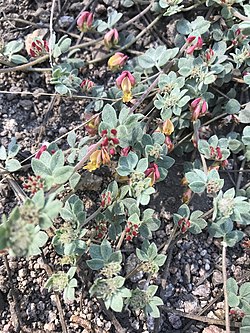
62, 130
203, 253
175, 321
213, 329
217, 278
22, 272
207, 266
191, 305
26, 104
49, 327
81, 322
187, 274
65, 21
203, 291
168, 292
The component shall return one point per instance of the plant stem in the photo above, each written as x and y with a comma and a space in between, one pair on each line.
119, 244
240, 16
224, 273
204, 163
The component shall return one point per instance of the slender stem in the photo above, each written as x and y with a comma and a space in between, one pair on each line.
239, 15
92, 216
204, 163
119, 244
51, 32
224, 273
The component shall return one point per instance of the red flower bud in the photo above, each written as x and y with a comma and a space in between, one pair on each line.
113, 131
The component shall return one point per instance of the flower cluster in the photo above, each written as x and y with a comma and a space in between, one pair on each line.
32, 184
101, 230
102, 156
209, 55
184, 224
238, 37
38, 47
106, 199
85, 21
125, 82
194, 43
215, 153
131, 231
199, 108
237, 314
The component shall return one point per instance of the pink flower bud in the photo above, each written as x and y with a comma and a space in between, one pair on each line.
40, 151
199, 43
195, 102
112, 151
209, 54
190, 39
85, 21
111, 38
125, 151
117, 61
87, 85
193, 45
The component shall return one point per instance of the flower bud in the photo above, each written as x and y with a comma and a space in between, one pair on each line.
112, 151
111, 38
117, 61
198, 108
40, 151
85, 21
87, 85
193, 45
113, 131
169, 143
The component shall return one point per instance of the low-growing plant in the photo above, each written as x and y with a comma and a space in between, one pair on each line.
192, 93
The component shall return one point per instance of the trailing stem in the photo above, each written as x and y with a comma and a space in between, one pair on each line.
224, 272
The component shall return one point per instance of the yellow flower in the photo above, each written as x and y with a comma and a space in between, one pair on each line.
95, 161
97, 158
167, 127
125, 82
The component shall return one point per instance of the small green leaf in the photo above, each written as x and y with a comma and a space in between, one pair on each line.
95, 264
13, 165
62, 174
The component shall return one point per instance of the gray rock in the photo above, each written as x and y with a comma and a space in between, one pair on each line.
207, 267
26, 104
203, 290
168, 292
191, 305
65, 21
217, 278
175, 321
